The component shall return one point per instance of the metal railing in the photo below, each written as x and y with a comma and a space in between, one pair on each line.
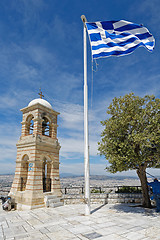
96, 189
93, 189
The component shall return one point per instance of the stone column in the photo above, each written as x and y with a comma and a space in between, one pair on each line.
54, 131
33, 196
55, 187
16, 185
37, 127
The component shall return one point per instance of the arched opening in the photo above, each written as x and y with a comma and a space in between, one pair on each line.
29, 125
46, 173
24, 172
46, 127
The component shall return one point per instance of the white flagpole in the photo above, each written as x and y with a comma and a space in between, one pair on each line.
86, 141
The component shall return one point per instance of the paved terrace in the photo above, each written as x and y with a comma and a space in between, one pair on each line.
107, 222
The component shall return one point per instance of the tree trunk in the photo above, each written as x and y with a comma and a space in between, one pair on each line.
141, 171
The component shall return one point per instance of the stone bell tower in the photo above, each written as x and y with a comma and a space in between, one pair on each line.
37, 164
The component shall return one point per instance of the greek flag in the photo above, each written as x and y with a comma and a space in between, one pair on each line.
115, 38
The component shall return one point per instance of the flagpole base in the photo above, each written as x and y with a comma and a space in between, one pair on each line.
87, 210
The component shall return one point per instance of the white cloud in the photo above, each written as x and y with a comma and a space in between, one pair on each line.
72, 116
25, 72
9, 133
71, 130
73, 148
28, 10
78, 168
7, 168
99, 169
95, 169
13, 100
41, 56
149, 9
70, 146
7, 154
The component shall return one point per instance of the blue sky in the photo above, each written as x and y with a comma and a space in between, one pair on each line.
41, 45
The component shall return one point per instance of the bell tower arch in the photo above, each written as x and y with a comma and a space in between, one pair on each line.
37, 163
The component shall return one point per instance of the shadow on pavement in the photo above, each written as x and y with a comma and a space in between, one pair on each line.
128, 208
96, 209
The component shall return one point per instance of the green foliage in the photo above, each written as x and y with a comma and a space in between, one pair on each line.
128, 189
96, 191
131, 136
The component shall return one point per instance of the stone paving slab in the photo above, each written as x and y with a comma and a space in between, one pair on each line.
106, 222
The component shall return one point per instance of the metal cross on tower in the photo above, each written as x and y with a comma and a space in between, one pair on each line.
40, 93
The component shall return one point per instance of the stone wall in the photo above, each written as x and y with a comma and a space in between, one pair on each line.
103, 198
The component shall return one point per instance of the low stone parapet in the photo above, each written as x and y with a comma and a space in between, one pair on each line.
124, 198
103, 198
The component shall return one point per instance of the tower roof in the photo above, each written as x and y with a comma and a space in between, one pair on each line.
40, 101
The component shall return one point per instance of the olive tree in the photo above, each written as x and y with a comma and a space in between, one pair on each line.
131, 137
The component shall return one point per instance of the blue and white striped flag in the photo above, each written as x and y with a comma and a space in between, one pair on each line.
115, 38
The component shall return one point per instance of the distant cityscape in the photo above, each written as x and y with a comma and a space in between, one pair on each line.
5, 184
76, 181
